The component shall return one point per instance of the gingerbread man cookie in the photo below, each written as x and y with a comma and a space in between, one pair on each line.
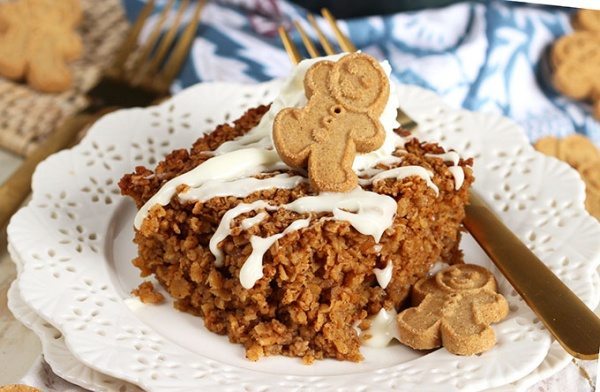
576, 63
588, 20
454, 308
18, 388
345, 100
37, 39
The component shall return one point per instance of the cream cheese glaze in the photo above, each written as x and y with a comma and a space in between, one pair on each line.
368, 212
256, 219
384, 275
236, 164
383, 329
240, 187
252, 270
457, 171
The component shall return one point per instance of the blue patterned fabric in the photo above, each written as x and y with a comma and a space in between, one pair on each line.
480, 56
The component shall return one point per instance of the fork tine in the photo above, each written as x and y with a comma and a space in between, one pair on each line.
310, 48
343, 41
146, 49
181, 50
129, 44
327, 47
289, 46
167, 40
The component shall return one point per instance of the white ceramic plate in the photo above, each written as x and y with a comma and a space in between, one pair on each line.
74, 240
56, 354
67, 366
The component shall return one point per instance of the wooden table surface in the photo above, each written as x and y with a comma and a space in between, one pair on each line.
20, 348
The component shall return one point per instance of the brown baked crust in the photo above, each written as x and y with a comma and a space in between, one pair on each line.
147, 294
318, 282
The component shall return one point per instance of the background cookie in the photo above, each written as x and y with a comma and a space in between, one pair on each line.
18, 388
547, 145
590, 172
573, 64
576, 63
579, 152
592, 202
37, 39
587, 20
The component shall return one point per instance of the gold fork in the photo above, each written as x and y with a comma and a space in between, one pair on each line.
569, 320
136, 77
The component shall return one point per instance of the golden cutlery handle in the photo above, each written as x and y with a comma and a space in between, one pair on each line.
571, 322
18, 186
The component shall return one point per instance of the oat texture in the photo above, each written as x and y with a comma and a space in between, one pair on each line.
318, 281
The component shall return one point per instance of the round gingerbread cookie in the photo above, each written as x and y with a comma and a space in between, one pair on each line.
577, 150
547, 145
592, 202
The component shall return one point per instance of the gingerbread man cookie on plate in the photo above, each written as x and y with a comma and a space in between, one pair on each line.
454, 308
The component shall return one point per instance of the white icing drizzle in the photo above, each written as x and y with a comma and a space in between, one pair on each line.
252, 270
457, 171
368, 212
236, 164
372, 170
241, 187
383, 329
258, 137
384, 275
224, 228
449, 156
372, 174
256, 219
406, 171
377, 248
459, 176
355, 326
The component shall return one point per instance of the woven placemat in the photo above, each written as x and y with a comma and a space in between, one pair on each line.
28, 116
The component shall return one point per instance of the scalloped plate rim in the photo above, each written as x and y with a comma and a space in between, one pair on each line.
92, 134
